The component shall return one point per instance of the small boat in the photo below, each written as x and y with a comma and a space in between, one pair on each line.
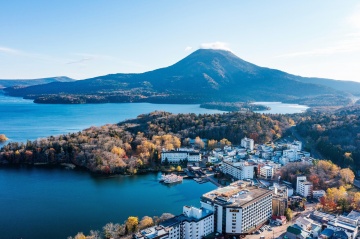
171, 178
162, 178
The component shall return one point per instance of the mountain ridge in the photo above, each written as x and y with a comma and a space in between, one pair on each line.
205, 75
4, 83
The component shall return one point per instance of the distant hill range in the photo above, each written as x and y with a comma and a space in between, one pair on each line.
31, 82
204, 76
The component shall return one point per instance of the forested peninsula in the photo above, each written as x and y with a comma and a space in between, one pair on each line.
134, 146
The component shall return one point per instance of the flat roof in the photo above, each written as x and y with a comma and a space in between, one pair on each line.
355, 215
180, 218
236, 196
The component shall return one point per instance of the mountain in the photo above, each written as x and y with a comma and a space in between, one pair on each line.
205, 75
347, 86
31, 82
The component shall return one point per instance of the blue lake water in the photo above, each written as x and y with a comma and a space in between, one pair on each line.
22, 119
57, 203
282, 108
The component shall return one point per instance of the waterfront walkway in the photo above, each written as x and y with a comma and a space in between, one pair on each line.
211, 178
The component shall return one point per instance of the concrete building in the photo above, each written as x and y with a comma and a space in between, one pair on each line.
155, 232
303, 187
267, 172
176, 156
247, 143
345, 224
237, 209
194, 223
239, 170
297, 145
318, 193
279, 205
290, 154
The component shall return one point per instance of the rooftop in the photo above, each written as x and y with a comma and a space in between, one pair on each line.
152, 232
354, 215
236, 196
182, 217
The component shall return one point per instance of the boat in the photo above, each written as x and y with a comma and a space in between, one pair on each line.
162, 178
171, 178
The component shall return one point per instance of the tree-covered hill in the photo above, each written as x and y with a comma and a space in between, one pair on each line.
135, 145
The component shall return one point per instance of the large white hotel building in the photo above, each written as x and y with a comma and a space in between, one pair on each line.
238, 210
231, 210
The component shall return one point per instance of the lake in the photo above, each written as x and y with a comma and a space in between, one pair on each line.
22, 120
57, 203
282, 108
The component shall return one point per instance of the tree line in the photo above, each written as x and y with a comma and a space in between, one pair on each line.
125, 230
336, 135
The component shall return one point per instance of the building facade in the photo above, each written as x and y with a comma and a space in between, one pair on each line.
238, 210
194, 223
247, 143
239, 170
177, 156
267, 172
303, 187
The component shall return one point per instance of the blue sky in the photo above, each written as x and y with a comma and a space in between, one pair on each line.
87, 38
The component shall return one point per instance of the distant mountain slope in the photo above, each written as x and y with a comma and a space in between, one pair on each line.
347, 86
203, 76
31, 82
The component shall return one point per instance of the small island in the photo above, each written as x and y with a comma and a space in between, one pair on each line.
3, 138
234, 106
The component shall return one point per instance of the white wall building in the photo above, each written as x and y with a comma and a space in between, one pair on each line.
194, 223
238, 210
290, 154
345, 224
283, 160
303, 187
238, 170
247, 143
297, 145
266, 171
318, 193
176, 156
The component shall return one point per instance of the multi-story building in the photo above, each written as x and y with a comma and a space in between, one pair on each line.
247, 143
291, 154
345, 224
303, 187
155, 232
297, 145
238, 210
176, 156
238, 170
194, 223
318, 193
267, 172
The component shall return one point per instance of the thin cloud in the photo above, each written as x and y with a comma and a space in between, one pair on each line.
349, 42
345, 46
354, 18
8, 50
79, 61
188, 48
215, 45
